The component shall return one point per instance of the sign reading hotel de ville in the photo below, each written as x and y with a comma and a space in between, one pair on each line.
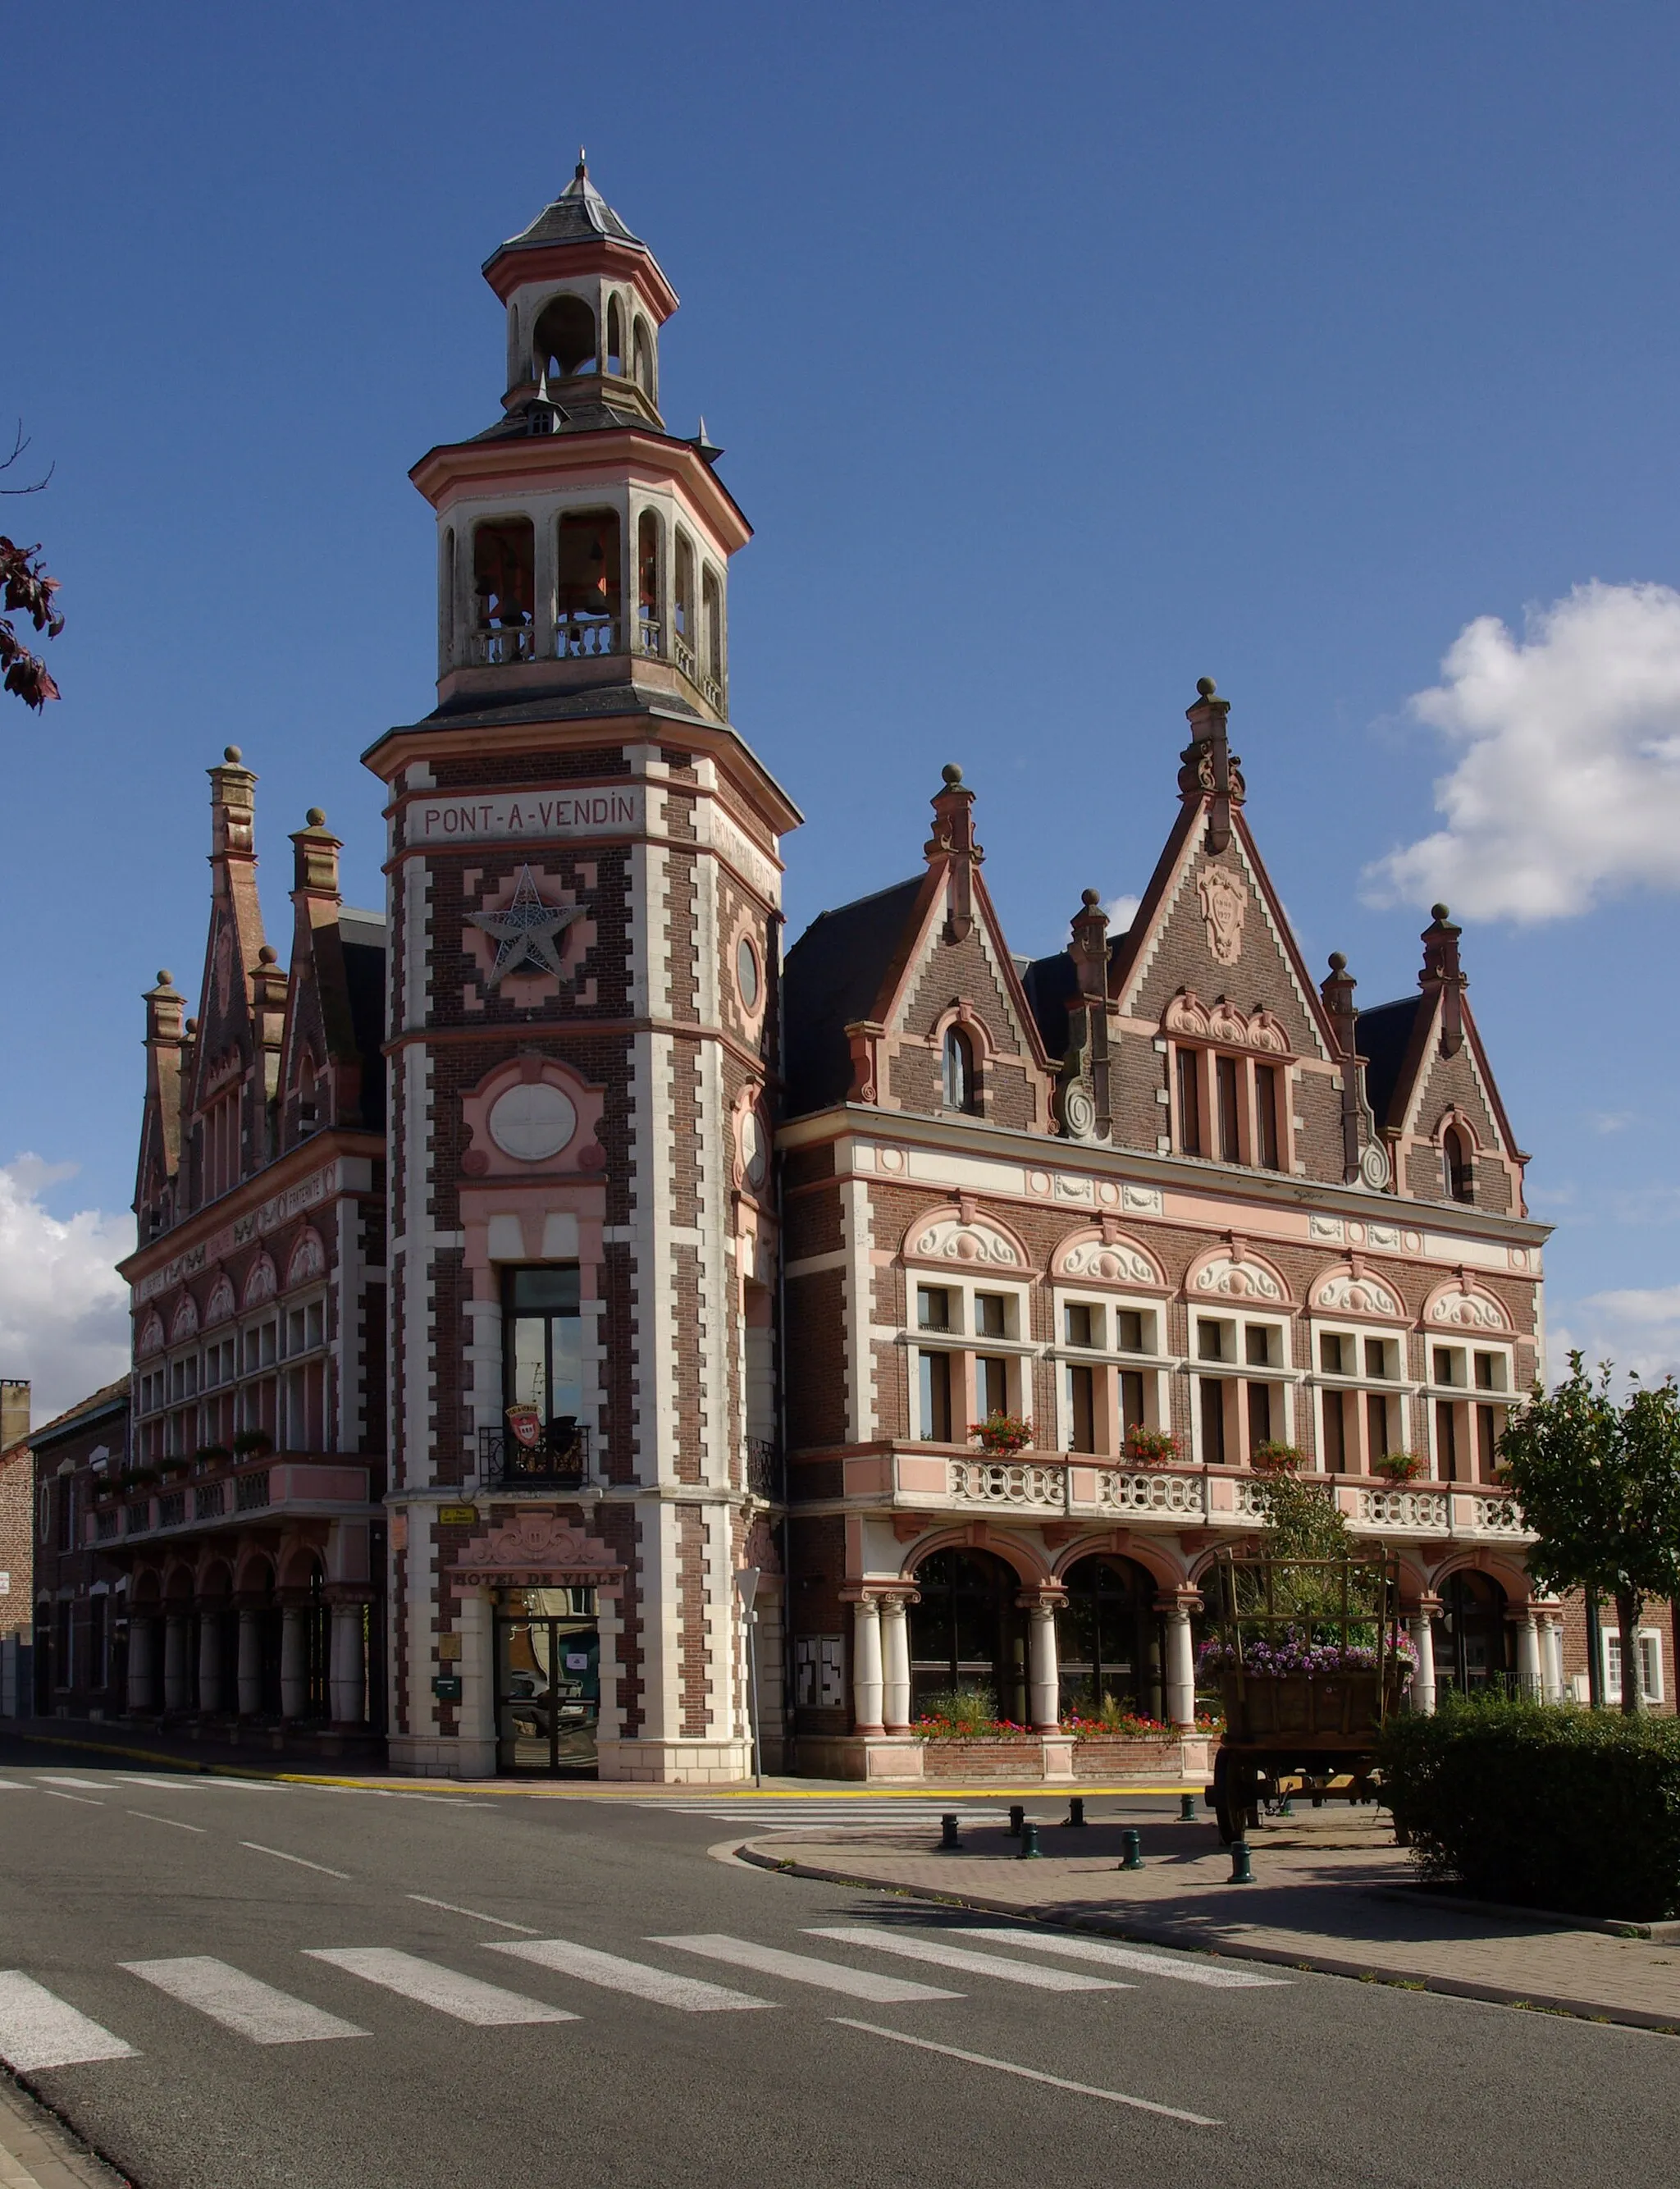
445, 820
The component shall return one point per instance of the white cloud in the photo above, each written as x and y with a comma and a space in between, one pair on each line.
63, 1312
1636, 1327
1121, 912
1609, 1121
1568, 783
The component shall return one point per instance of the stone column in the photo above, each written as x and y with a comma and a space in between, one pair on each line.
1423, 1683
1180, 1681
1552, 1660
294, 1664
141, 1632
1528, 1652
1044, 1682
176, 1690
209, 1661
865, 1665
250, 1661
895, 1664
475, 1717
346, 1665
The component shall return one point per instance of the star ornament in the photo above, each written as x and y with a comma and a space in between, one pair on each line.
524, 931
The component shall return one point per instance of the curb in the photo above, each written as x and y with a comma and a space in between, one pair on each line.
1658, 1933
1169, 1934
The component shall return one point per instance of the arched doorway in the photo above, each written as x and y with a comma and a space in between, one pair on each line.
1111, 1641
1474, 1645
968, 1632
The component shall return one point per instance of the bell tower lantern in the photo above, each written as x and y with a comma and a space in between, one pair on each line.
579, 542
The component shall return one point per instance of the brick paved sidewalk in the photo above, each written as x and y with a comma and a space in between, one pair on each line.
36, 2153
1321, 1899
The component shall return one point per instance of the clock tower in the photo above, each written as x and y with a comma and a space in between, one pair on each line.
584, 899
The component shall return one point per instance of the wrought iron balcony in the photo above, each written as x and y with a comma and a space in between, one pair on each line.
558, 1460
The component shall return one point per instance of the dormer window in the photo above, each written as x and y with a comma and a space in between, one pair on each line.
960, 1089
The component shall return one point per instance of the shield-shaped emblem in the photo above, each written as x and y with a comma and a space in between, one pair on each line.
526, 1423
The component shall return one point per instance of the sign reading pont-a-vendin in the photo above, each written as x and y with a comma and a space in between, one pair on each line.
566, 813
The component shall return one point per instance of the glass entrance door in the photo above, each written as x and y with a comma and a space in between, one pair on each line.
548, 1681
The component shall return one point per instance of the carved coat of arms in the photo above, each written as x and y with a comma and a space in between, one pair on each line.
1224, 902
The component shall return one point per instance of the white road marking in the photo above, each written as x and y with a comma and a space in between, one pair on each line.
450, 1908
197, 1780
957, 1957
803, 1968
38, 2030
1183, 1969
615, 1974
173, 1822
15, 1785
302, 1861
240, 2003
485, 2004
53, 1795
1032, 2075
90, 1785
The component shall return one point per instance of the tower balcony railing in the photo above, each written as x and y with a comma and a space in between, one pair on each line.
583, 639
704, 682
495, 649
558, 1460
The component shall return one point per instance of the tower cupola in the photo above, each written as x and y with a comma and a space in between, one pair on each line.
580, 542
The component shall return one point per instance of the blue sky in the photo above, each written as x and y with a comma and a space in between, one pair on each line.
1061, 358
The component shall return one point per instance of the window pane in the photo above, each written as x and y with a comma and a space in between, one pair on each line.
933, 1308
1209, 1341
1078, 1326
1335, 1432
1213, 1424
1131, 1399
1189, 1108
1231, 1139
1330, 1355
1082, 1409
1376, 1357
936, 1395
1259, 1414
1265, 1090
1131, 1333
991, 1385
1443, 1364
1258, 1348
529, 1364
1375, 1424
566, 1365
1446, 1442
554, 1290
991, 1312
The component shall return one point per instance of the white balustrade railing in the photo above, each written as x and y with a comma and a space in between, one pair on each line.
1421, 1509
577, 641
1498, 1516
1151, 1493
493, 649
1007, 1482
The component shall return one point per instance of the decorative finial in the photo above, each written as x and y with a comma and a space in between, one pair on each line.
315, 818
267, 954
232, 753
165, 979
1091, 898
1206, 687
1339, 962
952, 773
583, 165
1439, 912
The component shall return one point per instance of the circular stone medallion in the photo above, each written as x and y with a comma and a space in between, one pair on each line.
531, 1123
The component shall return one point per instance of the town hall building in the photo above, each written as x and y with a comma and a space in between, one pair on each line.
557, 1298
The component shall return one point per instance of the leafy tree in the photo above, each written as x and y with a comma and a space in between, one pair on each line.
1599, 1484
25, 589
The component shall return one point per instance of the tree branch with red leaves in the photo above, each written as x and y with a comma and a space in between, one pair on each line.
25, 590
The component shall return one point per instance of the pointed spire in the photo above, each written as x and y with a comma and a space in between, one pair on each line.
704, 445
1210, 769
953, 842
1442, 976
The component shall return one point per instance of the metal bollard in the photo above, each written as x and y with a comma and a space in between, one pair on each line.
1186, 1808
1131, 1851
1029, 1842
1285, 1808
1017, 1816
1242, 1868
1075, 1809
949, 1843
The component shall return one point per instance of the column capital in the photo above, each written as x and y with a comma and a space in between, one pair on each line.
1185, 1600
1045, 1600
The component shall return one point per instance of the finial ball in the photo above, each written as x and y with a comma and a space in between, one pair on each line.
1206, 687
952, 773
1338, 963
165, 979
1439, 912
315, 818
232, 753
267, 954
1090, 898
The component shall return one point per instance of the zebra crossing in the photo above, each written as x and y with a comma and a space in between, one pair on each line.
841, 1813
39, 2029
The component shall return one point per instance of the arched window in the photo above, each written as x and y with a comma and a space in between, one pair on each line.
711, 608
647, 580
682, 608
446, 595
968, 1636
564, 343
960, 1089
504, 584
1474, 1642
1109, 1639
615, 341
588, 602
1461, 1174
642, 365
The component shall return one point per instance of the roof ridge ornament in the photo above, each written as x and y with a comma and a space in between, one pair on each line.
1210, 769
952, 840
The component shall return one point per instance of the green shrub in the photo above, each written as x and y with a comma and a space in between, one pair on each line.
1541, 1805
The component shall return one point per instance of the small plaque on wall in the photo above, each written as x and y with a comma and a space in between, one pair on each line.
457, 1516
447, 1688
449, 1649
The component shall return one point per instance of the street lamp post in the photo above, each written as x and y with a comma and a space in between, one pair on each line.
746, 1587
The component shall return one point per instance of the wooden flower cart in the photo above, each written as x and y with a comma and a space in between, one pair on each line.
1310, 1663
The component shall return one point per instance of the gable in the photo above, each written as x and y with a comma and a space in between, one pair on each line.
1216, 929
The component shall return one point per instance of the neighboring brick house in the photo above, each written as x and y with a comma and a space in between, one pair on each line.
1170, 1199
17, 1552
79, 1592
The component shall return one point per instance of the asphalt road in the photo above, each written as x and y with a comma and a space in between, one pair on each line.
137, 1909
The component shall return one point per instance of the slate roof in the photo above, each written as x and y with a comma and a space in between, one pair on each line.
107, 1399
1383, 1036
1049, 982
832, 977
578, 215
